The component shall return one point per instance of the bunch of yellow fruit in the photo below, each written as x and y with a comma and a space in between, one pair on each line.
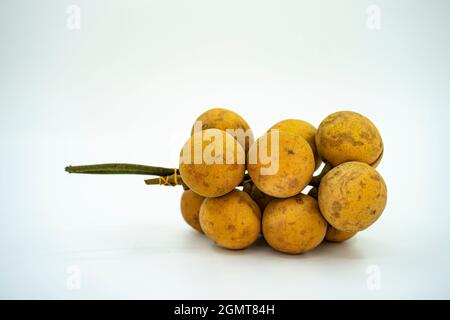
348, 196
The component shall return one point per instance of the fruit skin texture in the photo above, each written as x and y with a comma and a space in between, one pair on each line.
335, 235
213, 180
348, 136
352, 196
294, 225
190, 208
303, 129
223, 119
296, 166
232, 221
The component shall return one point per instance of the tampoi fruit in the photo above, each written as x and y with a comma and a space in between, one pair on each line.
352, 196
190, 208
348, 136
335, 235
294, 225
232, 221
224, 119
288, 168
212, 163
303, 129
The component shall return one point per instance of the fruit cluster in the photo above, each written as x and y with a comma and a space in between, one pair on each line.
233, 202
233, 194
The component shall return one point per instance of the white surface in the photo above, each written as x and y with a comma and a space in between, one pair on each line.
127, 87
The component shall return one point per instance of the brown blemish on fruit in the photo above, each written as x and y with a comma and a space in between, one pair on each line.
336, 209
293, 183
337, 141
365, 136
246, 232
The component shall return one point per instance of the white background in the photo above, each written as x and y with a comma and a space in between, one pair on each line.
127, 87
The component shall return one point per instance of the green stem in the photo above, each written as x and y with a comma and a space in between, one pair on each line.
166, 180
127, 168
121, 168
315, 182
169, 180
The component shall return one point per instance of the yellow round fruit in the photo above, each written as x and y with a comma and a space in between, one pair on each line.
190, 208
293, 225
224, 119
335, 235
284, 173
303, 129
348, 136
352, 196
212, 163
232, 221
